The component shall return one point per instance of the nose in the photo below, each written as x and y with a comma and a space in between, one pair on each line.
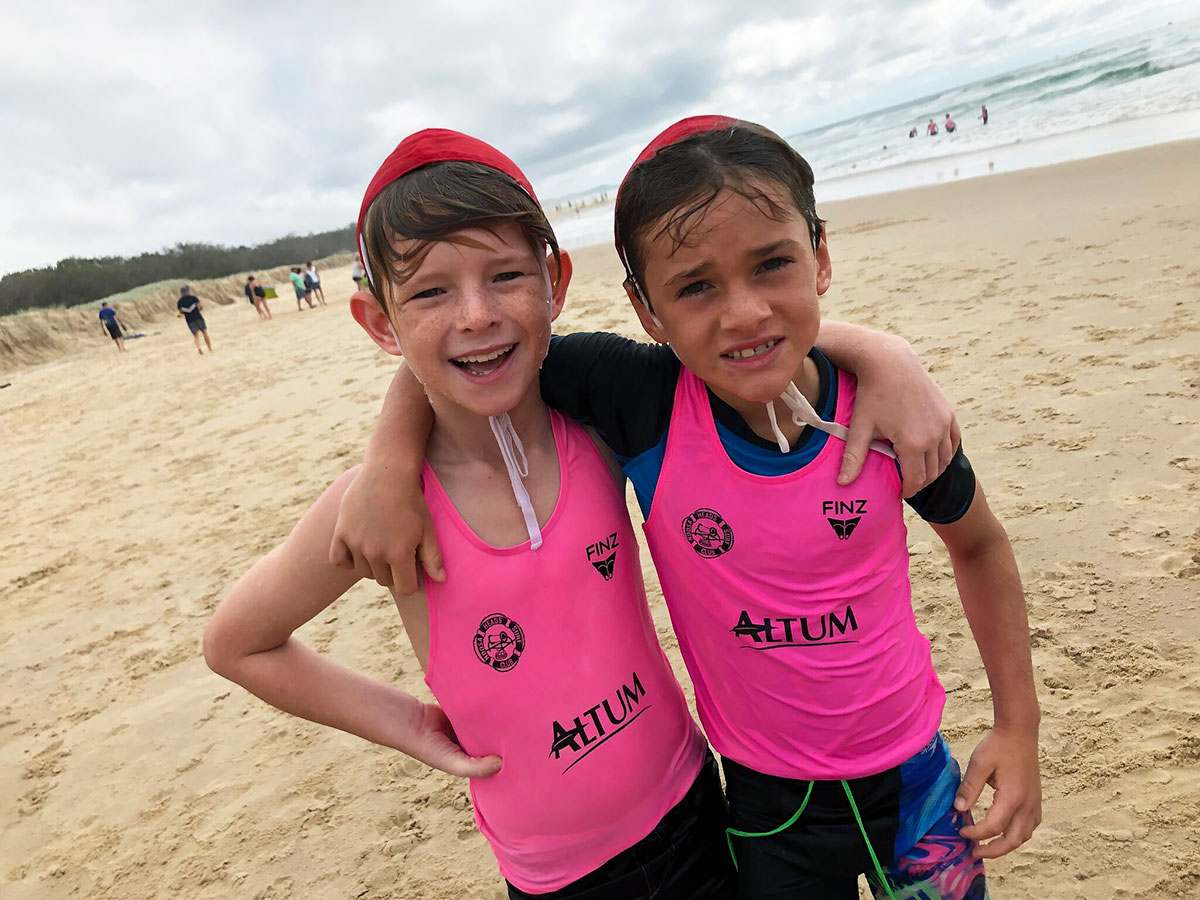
745, 310
478, 310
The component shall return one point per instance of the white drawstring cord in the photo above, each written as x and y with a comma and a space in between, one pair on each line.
804, 414
511, 449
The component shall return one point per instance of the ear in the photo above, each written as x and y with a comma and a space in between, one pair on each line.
558, 287
369, 314
649, 321
824, 264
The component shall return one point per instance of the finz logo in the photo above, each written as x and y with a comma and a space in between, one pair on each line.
499, 642
600, 723
844, 527
603, 555
708, 533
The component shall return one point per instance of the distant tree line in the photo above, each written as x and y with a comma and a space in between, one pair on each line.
73, 281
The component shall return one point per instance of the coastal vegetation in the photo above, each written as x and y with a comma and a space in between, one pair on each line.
74, 280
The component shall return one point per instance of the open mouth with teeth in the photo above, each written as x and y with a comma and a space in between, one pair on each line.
484, 363
751, 352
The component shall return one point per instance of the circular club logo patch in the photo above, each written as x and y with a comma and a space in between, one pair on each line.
708, 533
499, 642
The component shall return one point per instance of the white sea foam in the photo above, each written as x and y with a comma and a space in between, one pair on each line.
1134, 92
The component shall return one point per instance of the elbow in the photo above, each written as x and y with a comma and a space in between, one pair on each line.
218, 650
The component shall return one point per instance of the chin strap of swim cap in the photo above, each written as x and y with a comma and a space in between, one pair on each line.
804, 414
545, 267
512, 450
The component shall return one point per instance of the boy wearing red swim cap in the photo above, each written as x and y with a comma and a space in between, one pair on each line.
588, 776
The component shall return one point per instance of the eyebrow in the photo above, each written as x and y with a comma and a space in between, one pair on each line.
513, 259
754, 253
767, 250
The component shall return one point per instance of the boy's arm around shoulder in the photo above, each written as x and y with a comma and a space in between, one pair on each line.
250, 641
897, 400
989, 586
383, 523
384, 530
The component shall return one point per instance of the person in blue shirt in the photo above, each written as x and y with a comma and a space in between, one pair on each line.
190, 308
113, 326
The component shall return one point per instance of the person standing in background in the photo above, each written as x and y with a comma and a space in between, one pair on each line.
931, 128
258, 296
984, 115
315, 278
950, 126
302, 291
113, 326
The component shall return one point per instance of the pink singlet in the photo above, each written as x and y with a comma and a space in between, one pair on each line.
550, 659
791, 601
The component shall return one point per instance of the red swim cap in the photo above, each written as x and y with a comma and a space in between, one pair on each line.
431, 146
684, 128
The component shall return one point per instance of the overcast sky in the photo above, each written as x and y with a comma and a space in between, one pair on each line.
127, 127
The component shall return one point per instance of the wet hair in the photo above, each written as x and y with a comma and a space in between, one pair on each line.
433, 202
251, 278
670, 193
309, 263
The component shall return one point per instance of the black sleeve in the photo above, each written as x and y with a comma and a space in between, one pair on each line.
948, 497
623, 388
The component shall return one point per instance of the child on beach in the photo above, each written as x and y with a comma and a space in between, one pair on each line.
828, 726
312, 278
192, 310
113, 326
587, 774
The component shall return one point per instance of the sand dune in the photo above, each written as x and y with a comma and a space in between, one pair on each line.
50, 334
1058, 307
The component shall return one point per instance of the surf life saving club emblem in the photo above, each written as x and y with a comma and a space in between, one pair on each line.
708, 533
499, 642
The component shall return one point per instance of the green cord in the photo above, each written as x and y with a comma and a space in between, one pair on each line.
730, 833
863, 831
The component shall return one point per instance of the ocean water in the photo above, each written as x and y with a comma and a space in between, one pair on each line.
1133, 92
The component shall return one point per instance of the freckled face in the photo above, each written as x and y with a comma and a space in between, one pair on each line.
738, 301
474, 320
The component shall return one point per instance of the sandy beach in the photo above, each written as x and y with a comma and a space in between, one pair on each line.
1058, 307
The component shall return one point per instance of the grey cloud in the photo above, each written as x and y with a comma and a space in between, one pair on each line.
259, 119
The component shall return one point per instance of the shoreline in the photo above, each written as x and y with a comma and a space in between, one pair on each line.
594, 226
